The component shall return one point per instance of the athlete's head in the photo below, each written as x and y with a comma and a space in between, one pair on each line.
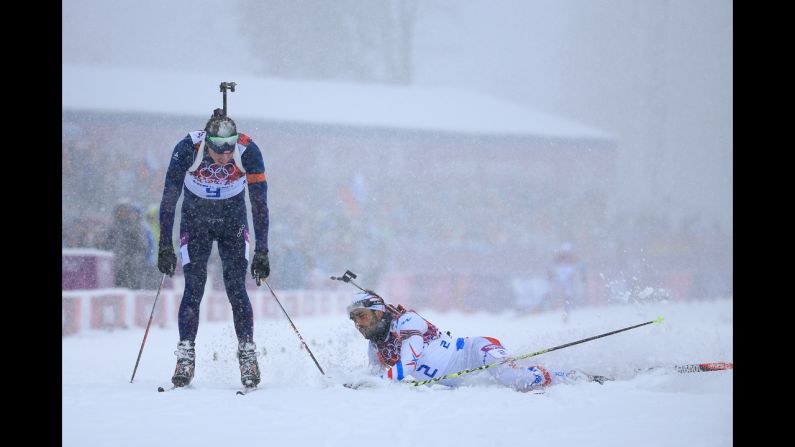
221, 136
368, 313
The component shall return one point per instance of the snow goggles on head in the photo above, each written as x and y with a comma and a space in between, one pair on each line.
372, 302
222, 144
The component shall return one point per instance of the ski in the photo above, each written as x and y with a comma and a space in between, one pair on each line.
598, 379
691, 368
242, 392
161, 389
246, 390
703, 367
684, 369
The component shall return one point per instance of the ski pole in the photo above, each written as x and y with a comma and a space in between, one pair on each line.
294, 328
147, 328
467, 371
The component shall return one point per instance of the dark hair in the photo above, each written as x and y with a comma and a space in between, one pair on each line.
219, 121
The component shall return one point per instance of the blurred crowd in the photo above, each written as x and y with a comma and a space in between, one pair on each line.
309, 242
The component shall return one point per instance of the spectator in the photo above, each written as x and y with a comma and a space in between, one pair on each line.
133, 247
294, 266
153, 219
567, 281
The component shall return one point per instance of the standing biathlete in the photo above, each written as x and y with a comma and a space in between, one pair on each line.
214, 166
405, 346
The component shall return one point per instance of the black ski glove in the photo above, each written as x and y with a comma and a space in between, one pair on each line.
260, 266
166, 260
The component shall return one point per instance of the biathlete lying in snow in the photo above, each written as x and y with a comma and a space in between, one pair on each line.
404, 346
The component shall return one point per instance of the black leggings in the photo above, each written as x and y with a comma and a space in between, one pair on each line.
196, 239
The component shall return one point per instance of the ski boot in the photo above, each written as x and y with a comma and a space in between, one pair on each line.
186, 363
577, 376
249, 368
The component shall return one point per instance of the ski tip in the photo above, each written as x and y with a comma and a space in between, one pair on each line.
658, 320
716, 366
246, 390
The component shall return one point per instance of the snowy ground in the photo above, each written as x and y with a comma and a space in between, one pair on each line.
297, 406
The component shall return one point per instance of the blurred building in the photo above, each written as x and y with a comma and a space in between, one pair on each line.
438, 196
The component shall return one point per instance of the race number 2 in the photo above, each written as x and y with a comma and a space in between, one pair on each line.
427, 370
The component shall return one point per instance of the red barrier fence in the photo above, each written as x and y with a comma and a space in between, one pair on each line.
111, 309
90, 302
86, 269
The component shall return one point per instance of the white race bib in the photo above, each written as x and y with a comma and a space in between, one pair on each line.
215, 181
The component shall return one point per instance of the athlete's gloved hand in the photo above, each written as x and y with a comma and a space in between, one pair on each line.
260, 266
166, 260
